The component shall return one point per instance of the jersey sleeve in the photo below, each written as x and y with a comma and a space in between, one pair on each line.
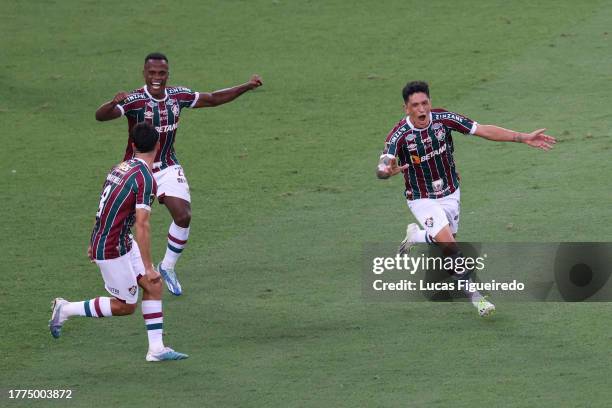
186, 97
394, 140
130, 105
458, 122
146, 189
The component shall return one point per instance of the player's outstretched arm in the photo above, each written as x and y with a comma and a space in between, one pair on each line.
143, 238
387, 166
536, 139
216, 98
110, 110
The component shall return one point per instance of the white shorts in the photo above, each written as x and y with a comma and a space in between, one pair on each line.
121, 275
172, 182
435, 213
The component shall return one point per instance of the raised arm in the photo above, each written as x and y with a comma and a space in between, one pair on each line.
226, 95
109, 110
536, 139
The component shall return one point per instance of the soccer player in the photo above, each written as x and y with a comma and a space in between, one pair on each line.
127, 196
161, 105
421, 147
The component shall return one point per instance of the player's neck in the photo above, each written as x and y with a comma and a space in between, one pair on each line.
148, 158
157, 93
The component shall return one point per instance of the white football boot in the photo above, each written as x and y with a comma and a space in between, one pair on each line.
165, 354
56, 322
408, 242
485, 308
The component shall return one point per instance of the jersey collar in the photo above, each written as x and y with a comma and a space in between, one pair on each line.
156, 100
414, 128
142, 161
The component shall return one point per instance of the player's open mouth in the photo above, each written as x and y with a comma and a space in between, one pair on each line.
422, 117
155, 85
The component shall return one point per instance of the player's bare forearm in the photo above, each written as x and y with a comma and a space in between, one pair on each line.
499, 134
143, 237
109, 110
536, 139
207, 100
216, 98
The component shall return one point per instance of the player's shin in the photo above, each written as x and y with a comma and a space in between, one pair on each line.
177, 240
154, 322
97, 307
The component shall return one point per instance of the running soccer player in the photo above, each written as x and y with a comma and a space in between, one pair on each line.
161, 105
421, 147
127, 196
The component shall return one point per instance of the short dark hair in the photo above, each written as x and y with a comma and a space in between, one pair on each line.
156, 56
414, 87
144, 137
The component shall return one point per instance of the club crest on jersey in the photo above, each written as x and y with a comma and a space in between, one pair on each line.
175, 110
439, 131
132, 290
437, 185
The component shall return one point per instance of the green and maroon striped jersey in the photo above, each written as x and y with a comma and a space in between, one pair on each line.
128, 186
429, 153
140, 106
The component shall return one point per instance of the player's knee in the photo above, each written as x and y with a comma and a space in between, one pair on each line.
183, 218
155, 289
124, 309
130, 308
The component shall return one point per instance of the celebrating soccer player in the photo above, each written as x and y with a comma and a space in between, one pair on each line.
127, 196
161, 105
421, 147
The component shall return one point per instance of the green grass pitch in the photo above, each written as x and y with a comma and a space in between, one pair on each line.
284, 196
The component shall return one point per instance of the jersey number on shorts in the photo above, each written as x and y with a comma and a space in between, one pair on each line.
103, 198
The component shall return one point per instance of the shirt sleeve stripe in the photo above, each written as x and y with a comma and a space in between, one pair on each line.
473, 129
197, 96
143, 207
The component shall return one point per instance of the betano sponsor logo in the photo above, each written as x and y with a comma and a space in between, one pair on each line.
433, 153
417, 160
166, 128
